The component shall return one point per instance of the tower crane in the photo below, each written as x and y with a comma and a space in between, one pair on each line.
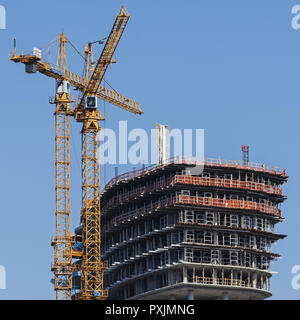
85, 111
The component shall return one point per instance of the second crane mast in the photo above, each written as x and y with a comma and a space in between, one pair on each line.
87, 112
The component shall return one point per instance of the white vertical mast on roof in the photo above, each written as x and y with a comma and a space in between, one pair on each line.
162, 139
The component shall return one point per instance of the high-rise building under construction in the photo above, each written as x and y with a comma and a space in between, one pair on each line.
170, 234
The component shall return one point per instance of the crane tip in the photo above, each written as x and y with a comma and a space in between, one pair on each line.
124, 11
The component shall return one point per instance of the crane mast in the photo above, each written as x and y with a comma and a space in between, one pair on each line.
62, 242
92, 267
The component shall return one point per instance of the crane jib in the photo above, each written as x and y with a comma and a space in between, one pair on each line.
119, 25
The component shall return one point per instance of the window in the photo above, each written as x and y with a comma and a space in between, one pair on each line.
208, 237
129, 252
206, 257
197, 256
200, 218
233, 239
190, 236
205, 174
234, 197
246, 222
164, 258
163, 221
189, 216
174, 237
185, 192
210, 218
234, 220
225, 258
262, 243
215, 256
264, 263
268, 226
259, 223
188, 255
252, 241
208, 195
233, 258
247, 259
262, 201
241, 241
200, 237
226, 239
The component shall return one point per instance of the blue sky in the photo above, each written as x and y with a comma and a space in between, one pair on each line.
228, 67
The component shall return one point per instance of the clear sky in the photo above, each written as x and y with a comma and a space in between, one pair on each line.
228, 67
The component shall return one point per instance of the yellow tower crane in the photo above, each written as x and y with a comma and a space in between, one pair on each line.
85, 111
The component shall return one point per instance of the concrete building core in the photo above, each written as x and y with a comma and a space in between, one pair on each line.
167, 234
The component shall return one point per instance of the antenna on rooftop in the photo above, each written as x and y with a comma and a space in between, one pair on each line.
245, 150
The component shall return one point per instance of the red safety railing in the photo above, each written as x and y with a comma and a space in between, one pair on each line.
224, 203
191, 180
137, 192
206, 163
194, 201
228, 183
